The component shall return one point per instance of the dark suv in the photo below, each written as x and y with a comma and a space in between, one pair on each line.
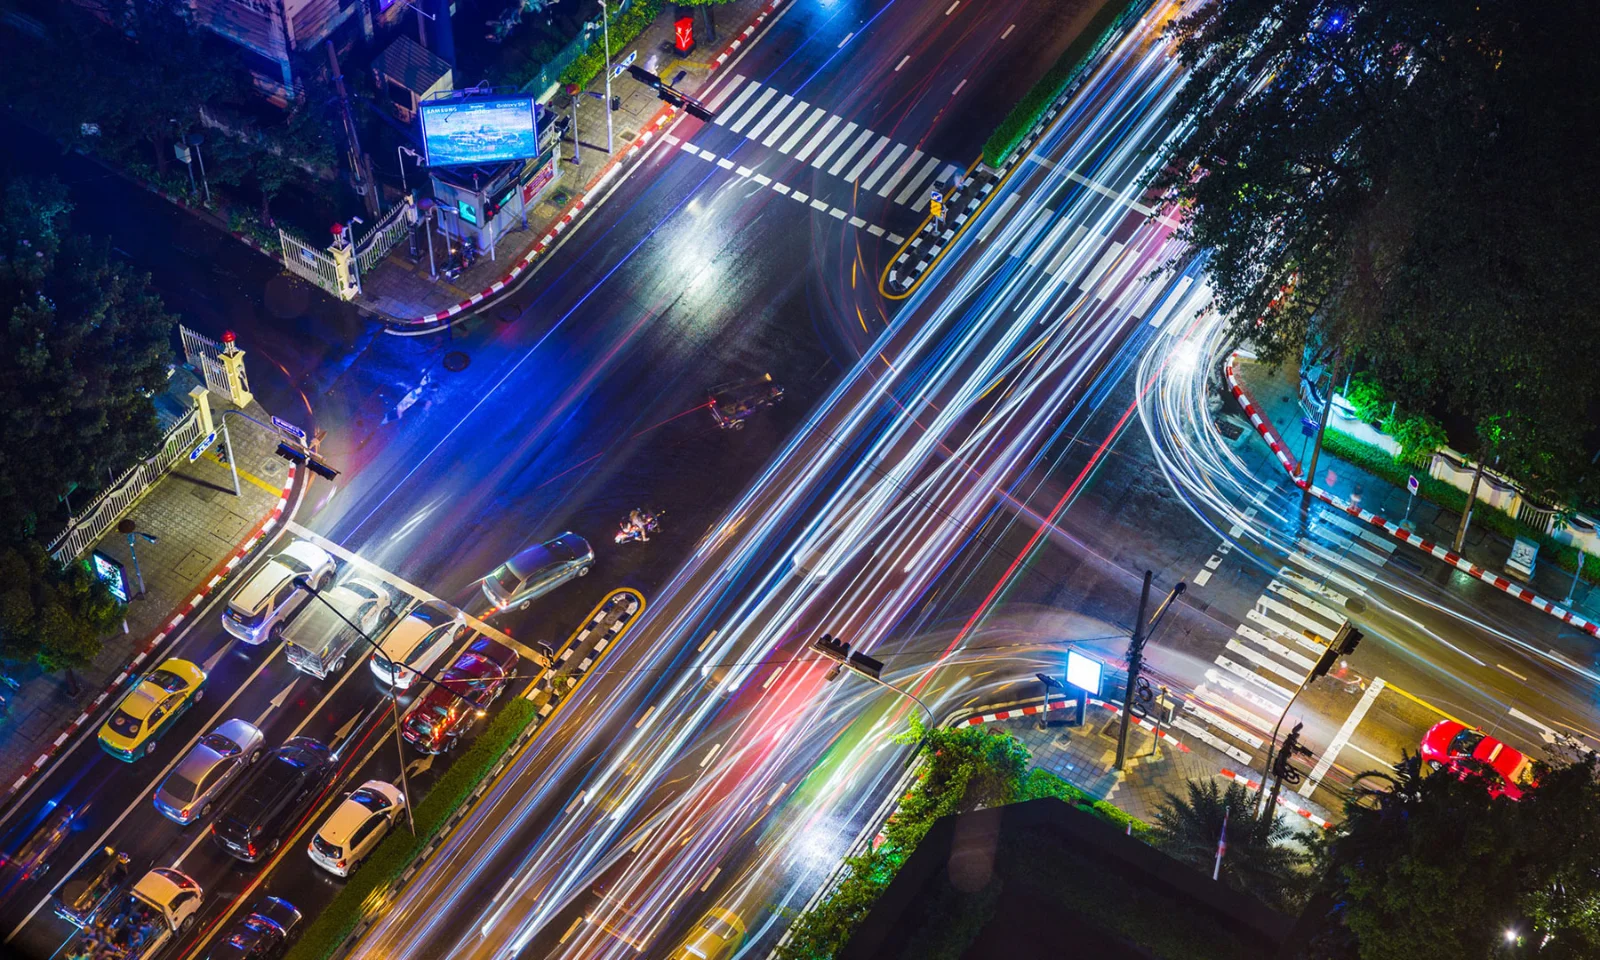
275, 795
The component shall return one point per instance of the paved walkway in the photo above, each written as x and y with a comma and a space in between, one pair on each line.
199, 525
1276, 393
401, 288
1085, 756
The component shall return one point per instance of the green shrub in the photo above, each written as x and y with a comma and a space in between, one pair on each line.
1416, 434
1016, 124
385, 864
624, 28
1366, 398
1043, 783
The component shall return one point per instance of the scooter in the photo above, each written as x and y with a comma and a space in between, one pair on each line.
630, 532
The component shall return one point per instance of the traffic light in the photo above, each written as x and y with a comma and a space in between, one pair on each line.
644, 76
1344, 643
296, 455
1291, 748
831, 648
867, 666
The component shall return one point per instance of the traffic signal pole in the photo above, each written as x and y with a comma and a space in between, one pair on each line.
1135, 664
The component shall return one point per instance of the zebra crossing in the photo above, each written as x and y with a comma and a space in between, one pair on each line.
826, 141
1250, 683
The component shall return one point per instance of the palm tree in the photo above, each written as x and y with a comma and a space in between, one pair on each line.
1259, 858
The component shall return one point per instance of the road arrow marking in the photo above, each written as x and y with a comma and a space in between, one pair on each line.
417, 766
278, 701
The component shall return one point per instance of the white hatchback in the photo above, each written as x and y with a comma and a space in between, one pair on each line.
357, 826
416, 643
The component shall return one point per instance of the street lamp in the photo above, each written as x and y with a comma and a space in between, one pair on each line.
605, 19
401, 151
303, 581
126, 526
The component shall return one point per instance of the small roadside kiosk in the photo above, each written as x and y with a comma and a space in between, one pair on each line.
491, 159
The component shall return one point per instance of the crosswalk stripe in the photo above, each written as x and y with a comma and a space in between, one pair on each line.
1348, 547
1224, 724
1284, 632
997, 216
1037, 224
948, 174
721, 95
865, 157
834, 144
1282, 652
1322, 573
1064, 250
1293, 615
815, 114
1256, 679
883, 167
1311, 586
914, 185
1048, 244
801, 109
754, 111
1266, 662
1207, 737
817, 139
1152, 291
1330, 556
900, 172
1129, 260
771, 115
1104, 262
733, 108
1360, 530
1300, 599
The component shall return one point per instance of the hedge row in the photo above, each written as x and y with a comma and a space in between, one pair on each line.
385, 864
1107, 21
1043, 783
625, 27
1452, 499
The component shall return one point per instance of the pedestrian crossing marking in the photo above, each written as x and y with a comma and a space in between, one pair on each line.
816, 141
800, 131
777, 112
755, 110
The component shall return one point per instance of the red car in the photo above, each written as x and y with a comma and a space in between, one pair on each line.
1448, 744
439, 717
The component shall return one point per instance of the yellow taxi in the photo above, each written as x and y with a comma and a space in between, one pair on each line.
715, 937
151, 708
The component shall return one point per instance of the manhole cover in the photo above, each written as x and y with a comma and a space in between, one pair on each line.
455, 361
1356, 605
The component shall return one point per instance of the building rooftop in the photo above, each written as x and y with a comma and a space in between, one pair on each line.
409, 64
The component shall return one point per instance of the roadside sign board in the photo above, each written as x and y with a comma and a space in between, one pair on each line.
623, 64
1083, 672
1412, 484
290, 429
204, 445
936, 210
1308, 426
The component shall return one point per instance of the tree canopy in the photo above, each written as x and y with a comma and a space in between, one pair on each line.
1436, 867
1409, 184
86, 344
1260, 860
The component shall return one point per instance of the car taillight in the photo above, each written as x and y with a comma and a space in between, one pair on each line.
339, 863
249, 849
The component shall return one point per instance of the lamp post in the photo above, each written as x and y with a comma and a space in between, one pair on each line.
195, 139
126, 526
605, 19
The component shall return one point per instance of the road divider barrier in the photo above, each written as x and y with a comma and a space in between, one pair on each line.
371, 889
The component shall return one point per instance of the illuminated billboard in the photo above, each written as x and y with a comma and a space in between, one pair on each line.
1083, 672
478, 131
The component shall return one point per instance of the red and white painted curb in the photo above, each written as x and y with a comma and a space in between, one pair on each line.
1039, 708
1284, 802
651, 129
748, 32
1395, 530
149, 646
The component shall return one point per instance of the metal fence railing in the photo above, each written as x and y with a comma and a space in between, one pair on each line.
376, 243
545, 82
202, 353
310, 263
109, 506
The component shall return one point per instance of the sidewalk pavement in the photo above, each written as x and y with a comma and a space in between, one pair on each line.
203, 530
1085, 757
400, 288
1276, 395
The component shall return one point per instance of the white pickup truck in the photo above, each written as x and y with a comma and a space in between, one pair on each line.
148, 917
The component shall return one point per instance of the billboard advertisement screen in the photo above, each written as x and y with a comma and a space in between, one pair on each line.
478, 131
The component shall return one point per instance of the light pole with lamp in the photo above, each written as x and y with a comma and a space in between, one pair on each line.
401, 151
126, 526
304, 582
605, 19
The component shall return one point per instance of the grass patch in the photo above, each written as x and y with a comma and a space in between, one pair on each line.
1106, 22
1381, 465
396, 852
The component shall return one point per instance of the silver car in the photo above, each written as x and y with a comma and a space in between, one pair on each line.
537, 570
205, 772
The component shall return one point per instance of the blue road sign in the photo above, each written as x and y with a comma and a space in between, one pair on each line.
622, 65
936, 197
1308, 426
1412, 484
202, 446
290, 429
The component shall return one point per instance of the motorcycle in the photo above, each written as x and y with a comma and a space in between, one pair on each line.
631, 531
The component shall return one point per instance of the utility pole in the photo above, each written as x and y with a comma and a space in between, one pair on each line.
1466, 511
1343, 644
1282, 773
605, 19
1316, 449
360, 168
1135, 663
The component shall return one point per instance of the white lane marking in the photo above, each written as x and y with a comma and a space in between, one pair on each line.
902, 62
995, 216
1512, 672
845, 40
1202, 578
1368, 753
648, 710
1008, 31
745, 172
725, 163
707, 885
1546, 733
764, 181
1342, 737
952, 8
777, 793
711, 753
959, 86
